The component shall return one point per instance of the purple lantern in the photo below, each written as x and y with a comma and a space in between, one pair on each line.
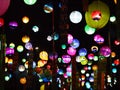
98, 39
105, 51
13, 24
71, 51
66, 58
9, 51
70, 38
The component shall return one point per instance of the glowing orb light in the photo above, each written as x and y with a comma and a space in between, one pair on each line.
43, 55
9, 50
114, 70
1, 22
21, 68
112, 19
66, 58
71, 51
98, 39
48, 8
20, 48
116, 62
94, 67
13, 24
82, 52
11, 45
35, 28
28, 46
41, 63
49, 38
89, 30
70, 38
84, 62
25, 19
113, 54
23, 80
90, 56
75, 17
75, 43
25, 39
105, 51
30, 2
63, 46
7, 78
55, 36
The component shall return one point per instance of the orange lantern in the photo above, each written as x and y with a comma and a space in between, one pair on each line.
25, 39
23, 80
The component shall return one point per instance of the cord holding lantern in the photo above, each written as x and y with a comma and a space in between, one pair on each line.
97, 15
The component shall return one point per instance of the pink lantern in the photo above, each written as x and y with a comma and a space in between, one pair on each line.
98, 39
66, 58
9, 50
70, 38
4, 4
105, 51
71, 51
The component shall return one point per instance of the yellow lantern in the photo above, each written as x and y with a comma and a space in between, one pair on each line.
113, 54
94, 67
25, 19
97, 15
25, 39
43, 55
23, 80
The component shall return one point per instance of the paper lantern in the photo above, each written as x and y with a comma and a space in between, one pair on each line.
23, 80
105, 51
4, 4
1, 22
30, 2
75, 43
71, 51
25, 39
43, 55
66, 58
82, 52
25, 19
97, 15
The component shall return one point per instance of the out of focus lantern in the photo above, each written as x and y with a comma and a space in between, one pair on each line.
23, 80
105, 51
1, 22
25, 19
82, 52
13, 24
43, 55
97, 15
75, 43
30, 2
66, 58
25, 39
4, 5
98, 39
71, 51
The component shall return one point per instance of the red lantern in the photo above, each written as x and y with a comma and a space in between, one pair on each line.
1, 22
4, 4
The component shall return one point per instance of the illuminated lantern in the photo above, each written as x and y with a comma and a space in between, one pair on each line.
53, 55
30, 2
113, 54
9, 50
116, 62
48, 8
91, 56
20, 48
21, 68
97, 15
1, 22
98, 39
94, 67
41, 63
43, 55
35, 28
75, 43
13, 24
105, 51
69, 38
25, 19
55, 36
4, 5
23, 80
60, 71
25, 39
114, 70
71, 51
82, 52
75, 17
66, 58
11, 45
89, 30
84, 62
10, 61
94, 49
28, 46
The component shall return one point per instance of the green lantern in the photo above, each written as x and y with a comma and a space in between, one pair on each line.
97, 15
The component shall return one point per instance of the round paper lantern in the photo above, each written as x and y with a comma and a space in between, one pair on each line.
105, 51
20, 48
43, 55
48, 8
89, 30
21, 68
30, 2
75, 43
82, 52
25, 39
94, 49
9, 50
71, 51
97, 15
69, 38
28, 46
1, 22
98, 39
4, 4
13, 24
25, 19
75, 17
66, 58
